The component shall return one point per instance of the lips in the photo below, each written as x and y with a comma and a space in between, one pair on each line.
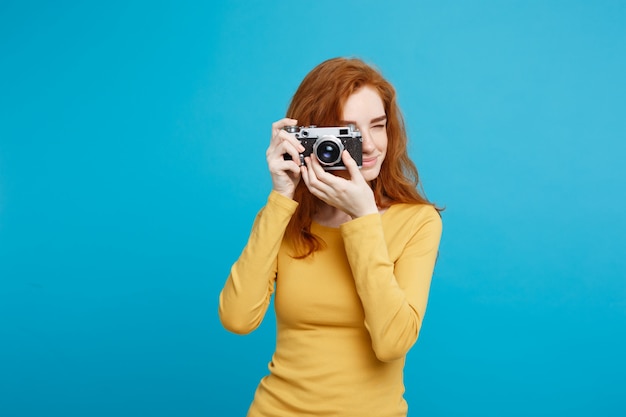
368, 162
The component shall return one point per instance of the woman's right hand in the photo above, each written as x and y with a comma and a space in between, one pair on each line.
285, 173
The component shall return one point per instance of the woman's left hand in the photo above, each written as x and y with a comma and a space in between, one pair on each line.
351, 195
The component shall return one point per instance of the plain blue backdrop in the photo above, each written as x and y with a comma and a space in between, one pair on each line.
132, 163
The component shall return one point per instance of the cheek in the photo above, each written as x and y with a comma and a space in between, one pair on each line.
381, 143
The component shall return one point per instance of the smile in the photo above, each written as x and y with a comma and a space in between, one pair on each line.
368, 162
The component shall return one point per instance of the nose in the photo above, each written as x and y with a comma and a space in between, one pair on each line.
368, 143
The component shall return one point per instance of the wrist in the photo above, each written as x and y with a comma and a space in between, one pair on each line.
285, 193
364, 212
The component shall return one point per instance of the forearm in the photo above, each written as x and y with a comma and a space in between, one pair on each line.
393, 293
248, 289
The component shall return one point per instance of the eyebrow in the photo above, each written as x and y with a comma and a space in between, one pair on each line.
374, 120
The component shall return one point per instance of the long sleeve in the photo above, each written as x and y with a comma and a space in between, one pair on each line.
246, 295
393, 289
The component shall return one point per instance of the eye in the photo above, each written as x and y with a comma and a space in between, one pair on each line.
381, 126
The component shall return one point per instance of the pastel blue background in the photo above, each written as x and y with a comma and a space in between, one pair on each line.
132, 140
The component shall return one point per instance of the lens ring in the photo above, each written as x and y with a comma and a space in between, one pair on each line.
328, 149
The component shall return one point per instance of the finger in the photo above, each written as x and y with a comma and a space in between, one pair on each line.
277, 164
291, 138
322, 175
279, 125
285, 148
290, 166
304, 173
285, 121
351, 165
278, 142
317, 167
314, 171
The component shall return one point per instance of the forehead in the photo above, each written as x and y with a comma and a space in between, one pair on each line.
364, 103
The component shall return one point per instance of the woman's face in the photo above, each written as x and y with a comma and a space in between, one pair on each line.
365, 109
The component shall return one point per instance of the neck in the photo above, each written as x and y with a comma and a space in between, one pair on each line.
330, 216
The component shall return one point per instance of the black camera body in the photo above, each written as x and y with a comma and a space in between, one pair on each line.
327, 143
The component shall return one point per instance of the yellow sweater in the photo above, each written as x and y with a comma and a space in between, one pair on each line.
346, 316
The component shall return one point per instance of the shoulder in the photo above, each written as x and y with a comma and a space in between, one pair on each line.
404, 221
414, 215
414, 226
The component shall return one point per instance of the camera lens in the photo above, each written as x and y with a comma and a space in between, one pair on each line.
328, 150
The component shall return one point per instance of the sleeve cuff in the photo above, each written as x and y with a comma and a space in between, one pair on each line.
277, 199
361, 226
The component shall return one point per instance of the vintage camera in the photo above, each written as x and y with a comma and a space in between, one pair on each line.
327, 143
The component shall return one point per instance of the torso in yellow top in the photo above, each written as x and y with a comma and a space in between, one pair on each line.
346, 316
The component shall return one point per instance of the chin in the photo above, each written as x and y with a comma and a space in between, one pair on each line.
370, 174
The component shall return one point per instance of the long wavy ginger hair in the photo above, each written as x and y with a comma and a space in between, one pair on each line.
319, 101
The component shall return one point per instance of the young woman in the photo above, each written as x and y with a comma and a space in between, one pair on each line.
348, 254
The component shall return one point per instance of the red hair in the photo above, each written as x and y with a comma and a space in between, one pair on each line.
319, 101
